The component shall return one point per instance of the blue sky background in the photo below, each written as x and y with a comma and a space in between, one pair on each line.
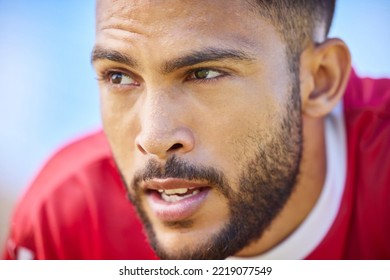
48, 90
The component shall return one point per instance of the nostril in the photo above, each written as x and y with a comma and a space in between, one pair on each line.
141, 149
175, 147
162, 143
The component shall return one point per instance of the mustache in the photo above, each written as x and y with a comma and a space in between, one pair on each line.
180, 169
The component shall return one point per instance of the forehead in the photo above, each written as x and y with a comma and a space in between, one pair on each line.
162, 17
155, 11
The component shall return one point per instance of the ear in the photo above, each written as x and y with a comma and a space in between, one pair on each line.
324, 73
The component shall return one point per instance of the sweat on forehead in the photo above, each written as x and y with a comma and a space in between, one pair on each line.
163, 10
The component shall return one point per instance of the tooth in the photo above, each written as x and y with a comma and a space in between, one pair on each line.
170, 198
176, 191
161, 191
174, 198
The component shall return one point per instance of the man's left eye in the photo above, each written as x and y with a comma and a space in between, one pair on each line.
203, 74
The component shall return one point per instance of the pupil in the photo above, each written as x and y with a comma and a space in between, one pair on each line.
116, 78
201, 74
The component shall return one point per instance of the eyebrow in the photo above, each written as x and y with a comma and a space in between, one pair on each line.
193, 58
205, 55
99, 53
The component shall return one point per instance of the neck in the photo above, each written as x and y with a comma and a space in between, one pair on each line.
306, 192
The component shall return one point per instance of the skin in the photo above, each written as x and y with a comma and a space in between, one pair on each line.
161, 109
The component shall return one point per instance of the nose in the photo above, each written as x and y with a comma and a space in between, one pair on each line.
164, 130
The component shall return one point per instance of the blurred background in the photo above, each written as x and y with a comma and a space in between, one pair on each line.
48, 91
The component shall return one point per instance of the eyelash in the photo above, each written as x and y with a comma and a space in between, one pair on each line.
206, 80
106, 76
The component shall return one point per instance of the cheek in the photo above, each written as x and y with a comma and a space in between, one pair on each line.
239, 125
237, 131
120, 127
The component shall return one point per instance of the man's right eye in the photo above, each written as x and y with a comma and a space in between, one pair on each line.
119, 78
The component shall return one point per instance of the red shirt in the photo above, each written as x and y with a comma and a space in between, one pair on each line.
77, 207
362, 227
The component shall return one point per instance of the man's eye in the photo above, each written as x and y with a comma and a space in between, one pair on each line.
203, 74
118, 78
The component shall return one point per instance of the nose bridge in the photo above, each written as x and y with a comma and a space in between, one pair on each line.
156, 113
163, 127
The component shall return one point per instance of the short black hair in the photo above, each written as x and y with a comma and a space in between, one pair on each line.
296, 20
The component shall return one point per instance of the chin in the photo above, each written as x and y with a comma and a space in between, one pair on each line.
184, 241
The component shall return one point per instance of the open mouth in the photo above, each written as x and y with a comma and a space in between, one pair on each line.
174, 199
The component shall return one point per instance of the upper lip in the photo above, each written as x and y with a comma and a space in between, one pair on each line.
171, 183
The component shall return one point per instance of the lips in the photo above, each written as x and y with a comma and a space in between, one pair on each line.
175, 199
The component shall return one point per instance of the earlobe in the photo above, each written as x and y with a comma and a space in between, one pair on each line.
324, 75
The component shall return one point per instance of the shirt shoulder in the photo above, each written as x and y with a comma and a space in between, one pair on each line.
75, 208
362, 225
67, 163
366, 94
367, 118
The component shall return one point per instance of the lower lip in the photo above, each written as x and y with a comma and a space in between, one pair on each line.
176, 211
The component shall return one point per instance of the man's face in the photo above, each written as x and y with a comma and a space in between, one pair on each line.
203, 119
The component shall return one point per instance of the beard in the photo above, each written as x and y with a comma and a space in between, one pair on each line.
265, 183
